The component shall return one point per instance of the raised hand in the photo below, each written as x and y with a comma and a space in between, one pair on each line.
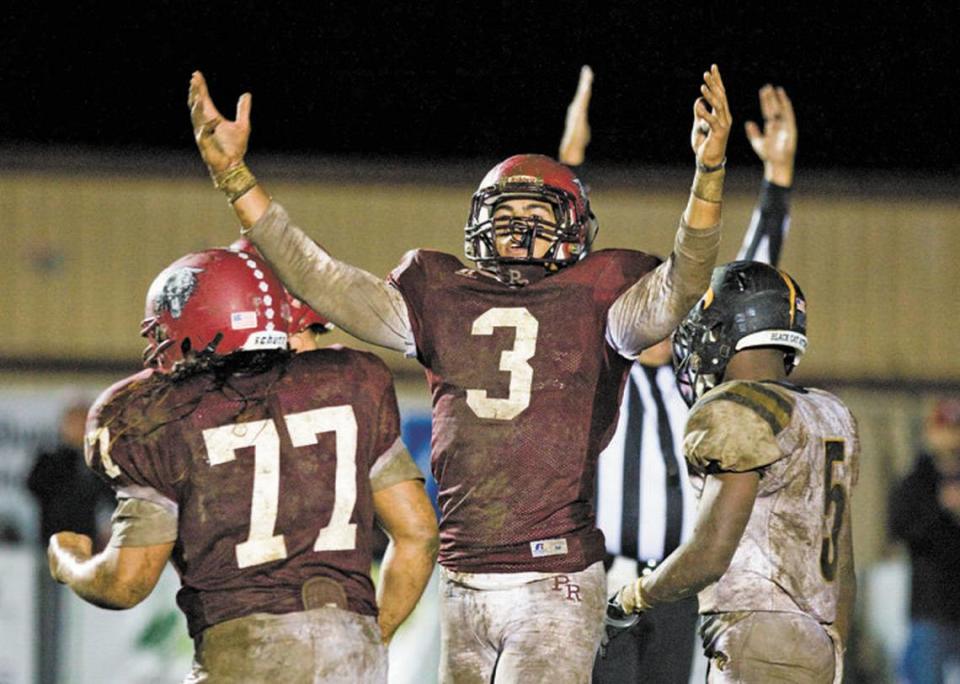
576, 132
711, 121
222, 143
776, 143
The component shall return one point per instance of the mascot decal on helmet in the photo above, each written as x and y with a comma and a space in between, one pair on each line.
176, 291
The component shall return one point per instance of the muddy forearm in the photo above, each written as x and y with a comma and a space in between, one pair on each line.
353, 299
651, 309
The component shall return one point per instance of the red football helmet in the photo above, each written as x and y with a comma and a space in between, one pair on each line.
538, 177
301, 315
217, 301
244, 245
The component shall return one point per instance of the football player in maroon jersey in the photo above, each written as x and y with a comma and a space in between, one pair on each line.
258, 473
526, 354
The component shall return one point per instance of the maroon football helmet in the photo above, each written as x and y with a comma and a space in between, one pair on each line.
244, 245
301, 315
532, 176
216, 301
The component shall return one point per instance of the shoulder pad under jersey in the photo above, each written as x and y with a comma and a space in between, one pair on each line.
734, 427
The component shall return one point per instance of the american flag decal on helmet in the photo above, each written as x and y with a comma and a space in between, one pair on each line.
243, 320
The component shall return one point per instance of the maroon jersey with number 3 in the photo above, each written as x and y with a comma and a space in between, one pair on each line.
270, 473
525, 395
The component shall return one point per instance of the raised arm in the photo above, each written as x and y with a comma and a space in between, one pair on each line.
648, 311
576, 130
355, 300
776, 145
406, 515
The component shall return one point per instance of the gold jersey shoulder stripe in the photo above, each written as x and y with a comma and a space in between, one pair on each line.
766, 403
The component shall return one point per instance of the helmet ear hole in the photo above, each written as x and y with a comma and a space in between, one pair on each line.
185, 346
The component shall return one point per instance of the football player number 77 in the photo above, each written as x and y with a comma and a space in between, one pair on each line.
262, 545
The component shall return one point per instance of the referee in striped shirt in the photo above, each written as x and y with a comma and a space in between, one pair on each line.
645, 504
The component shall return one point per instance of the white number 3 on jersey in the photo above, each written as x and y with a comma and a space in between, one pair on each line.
514, 361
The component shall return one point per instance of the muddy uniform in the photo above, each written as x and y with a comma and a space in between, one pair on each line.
265, 481
522, 406
525, 395
525, 380
770, 616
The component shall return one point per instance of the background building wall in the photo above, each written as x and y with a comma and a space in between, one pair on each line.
82, 243
80, 250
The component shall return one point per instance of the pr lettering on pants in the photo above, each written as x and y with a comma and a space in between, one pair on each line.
563, 583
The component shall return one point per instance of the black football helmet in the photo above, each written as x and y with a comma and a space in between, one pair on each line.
748, 304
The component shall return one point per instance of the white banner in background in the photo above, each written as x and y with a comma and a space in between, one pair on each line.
18, 614
147, 644
29, 420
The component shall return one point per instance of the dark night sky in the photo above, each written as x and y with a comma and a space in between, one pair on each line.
875, 89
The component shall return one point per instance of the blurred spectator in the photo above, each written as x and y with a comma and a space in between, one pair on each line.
925, 513
70, 496
9, 533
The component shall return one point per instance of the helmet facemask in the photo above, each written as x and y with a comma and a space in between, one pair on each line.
570, 230
565, 233
157, 342
523, 232
699, 356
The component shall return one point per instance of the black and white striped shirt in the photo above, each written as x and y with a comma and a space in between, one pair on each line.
645, 504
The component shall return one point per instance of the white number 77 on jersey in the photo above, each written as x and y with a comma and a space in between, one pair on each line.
262, 545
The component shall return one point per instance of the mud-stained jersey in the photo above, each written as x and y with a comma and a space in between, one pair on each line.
268, 477
804, 443
525, 395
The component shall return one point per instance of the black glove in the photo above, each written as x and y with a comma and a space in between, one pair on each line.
616, 622
616, 617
